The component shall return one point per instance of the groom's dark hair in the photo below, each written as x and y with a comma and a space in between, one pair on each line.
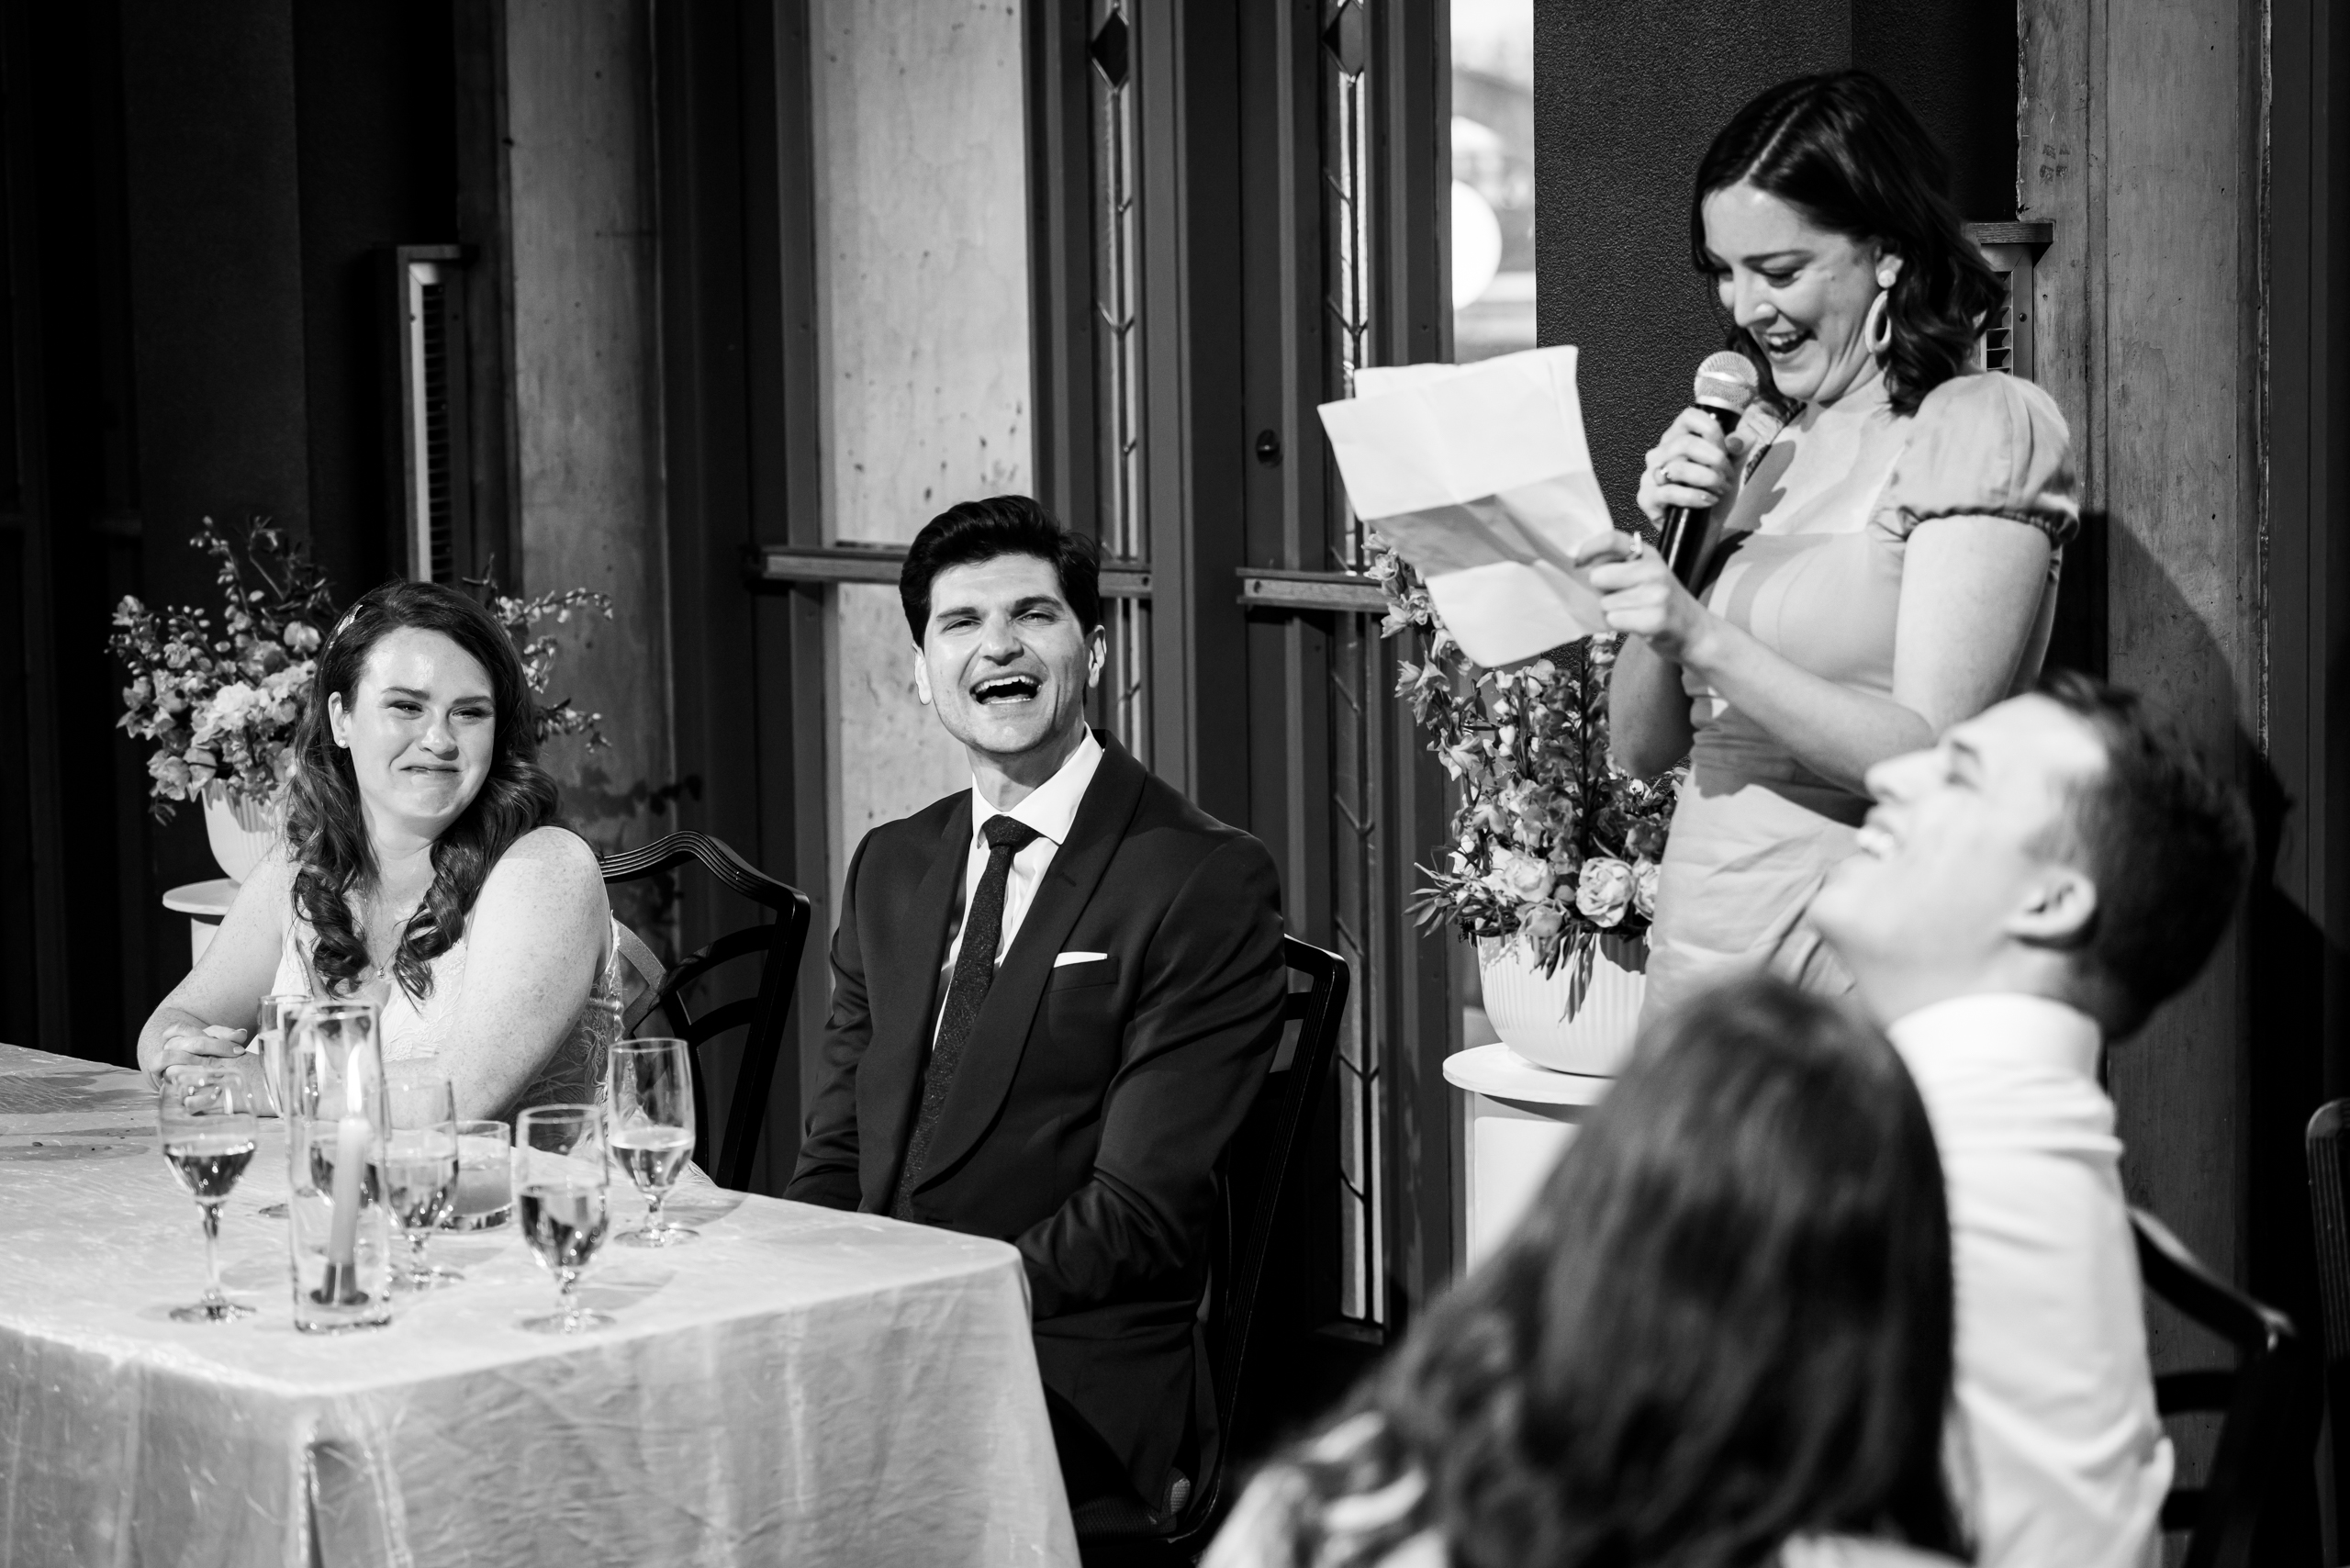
2168, 844
971, 532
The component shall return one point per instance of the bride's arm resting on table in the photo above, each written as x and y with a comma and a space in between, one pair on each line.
535, 939
1971, 590
535, 942
209, 1015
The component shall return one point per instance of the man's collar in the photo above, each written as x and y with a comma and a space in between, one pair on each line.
1051, 807
2007, 1026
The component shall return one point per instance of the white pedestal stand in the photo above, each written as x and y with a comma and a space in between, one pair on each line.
204, 904
1515, 1118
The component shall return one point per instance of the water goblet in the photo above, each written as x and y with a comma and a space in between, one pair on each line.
562, 1182
652, 1132
419, 1166
269, 1043
485, 1198
205, 1118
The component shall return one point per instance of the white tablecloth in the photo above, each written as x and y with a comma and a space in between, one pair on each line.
800, 1386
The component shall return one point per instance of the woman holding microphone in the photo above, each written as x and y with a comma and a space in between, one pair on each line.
1886, 528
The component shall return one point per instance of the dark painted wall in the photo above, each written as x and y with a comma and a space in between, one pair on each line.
1954, 61
214, 186
374, 118
1627, 96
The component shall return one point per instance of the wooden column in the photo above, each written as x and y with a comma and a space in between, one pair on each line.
2144, 145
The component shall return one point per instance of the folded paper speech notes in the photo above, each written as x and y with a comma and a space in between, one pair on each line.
1480, 477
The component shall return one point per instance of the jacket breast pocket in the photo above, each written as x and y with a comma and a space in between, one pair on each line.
1083, 974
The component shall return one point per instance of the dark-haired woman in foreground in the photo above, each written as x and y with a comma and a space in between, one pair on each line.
1886, 522
1721, 1338
421, 868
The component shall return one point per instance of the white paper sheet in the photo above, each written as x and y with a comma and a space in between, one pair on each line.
1479, 476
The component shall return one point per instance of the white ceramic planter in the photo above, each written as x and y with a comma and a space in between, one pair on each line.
1543, 1019
240, 836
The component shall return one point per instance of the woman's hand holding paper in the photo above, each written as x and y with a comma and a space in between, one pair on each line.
1641, 595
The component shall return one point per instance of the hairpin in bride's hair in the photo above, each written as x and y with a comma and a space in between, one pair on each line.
340, 626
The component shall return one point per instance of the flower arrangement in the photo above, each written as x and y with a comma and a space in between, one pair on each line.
222, 707
1551, 845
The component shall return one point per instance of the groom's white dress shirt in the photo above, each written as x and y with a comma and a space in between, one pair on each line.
2055, 1400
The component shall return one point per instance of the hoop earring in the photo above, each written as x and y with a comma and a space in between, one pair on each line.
1876, 328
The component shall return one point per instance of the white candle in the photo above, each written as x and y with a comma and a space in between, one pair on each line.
350, 1164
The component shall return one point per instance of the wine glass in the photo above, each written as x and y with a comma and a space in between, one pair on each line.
419, 1165
205, 1116
562, 1182
269, 1042
652, 1107
485, 1198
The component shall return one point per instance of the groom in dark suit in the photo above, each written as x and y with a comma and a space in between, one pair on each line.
1054, 995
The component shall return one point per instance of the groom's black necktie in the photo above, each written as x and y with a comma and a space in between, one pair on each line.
974, 972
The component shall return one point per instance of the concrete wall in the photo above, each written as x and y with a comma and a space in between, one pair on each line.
587, 418
2142, 144
922, 302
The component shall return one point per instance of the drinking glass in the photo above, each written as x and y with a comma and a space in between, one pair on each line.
269, 1043
485, 1198
205, 1116
336, 1121
562, 1181
419, 1166
651, 1094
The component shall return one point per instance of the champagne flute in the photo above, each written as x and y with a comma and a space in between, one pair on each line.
419, 1161
652, 1107
562, 1181
205, 1118
277, 1013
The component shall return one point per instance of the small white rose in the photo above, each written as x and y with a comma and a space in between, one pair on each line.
1603, 890
1525, 877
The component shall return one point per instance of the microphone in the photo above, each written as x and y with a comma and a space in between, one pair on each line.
1726, 384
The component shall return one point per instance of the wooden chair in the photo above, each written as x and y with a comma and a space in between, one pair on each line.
777, 944
2270, 1422
1264, 1174
2329, 1219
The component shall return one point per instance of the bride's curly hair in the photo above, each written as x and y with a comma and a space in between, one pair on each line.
326, 832
1845, 151
1724, 1322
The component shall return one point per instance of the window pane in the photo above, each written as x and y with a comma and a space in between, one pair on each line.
921, 246
1493, 177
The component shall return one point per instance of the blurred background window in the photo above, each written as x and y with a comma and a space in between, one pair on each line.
1493, 177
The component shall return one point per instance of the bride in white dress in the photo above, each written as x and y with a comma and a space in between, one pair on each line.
422, 867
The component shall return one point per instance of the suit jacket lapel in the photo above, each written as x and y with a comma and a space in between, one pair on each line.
1000, 1032
901, 980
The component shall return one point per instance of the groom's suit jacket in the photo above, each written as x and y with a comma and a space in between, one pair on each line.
1094, 1096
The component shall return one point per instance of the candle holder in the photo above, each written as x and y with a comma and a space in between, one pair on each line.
336, 1120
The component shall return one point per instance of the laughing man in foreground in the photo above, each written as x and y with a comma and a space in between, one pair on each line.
2024, 894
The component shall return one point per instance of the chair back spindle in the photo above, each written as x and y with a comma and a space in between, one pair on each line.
777, 944
2269, 1420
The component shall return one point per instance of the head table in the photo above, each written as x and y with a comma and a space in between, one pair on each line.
799, 1386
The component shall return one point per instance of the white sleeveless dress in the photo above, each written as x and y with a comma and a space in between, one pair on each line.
413, 1027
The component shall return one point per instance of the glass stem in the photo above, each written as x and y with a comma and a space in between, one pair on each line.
567, 1282
653, 1221
212, 1296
